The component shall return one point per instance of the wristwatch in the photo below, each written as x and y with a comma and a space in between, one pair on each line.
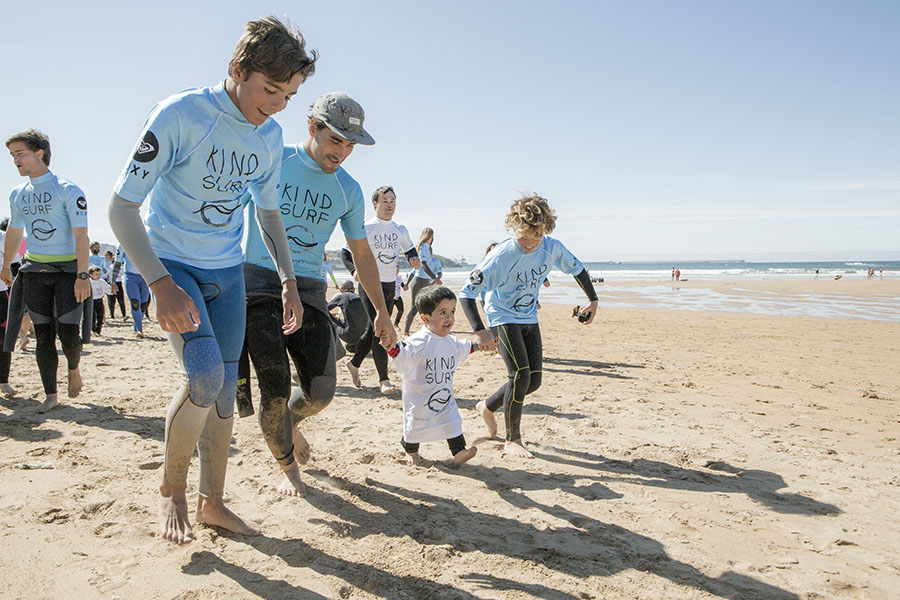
83, 275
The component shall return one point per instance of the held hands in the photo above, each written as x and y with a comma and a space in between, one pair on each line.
384, 331
415, 263
82, 290
175, 311
6, 276
486, 340
437, 281
293, 309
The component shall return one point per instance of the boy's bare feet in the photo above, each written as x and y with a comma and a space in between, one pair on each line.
488, 418
7, 390
302, 449
415, 459
517, 449
74, 383
386, 387
173, 519
47, 404
290, 483
464, 455
354, 374
212, 511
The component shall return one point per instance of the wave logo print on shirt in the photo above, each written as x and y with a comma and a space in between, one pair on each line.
147, 149
297, 236
386, 258
42, 230
217, 214
439, 399
524, 303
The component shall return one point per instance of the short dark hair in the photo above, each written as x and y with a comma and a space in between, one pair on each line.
382, 190
428, 298
274, 49
35, 140
348, 286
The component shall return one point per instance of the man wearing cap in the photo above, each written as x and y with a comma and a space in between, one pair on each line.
314, 194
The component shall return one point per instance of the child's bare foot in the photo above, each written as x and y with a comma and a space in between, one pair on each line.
212, 511
354, 374
47, 404
7, 390
488, 418
23, 342
464, 455
302, 449
290, 483
386, 387
517, 449
74, 383
415, 459
173, 520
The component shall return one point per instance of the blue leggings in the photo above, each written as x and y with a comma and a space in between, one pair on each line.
208, 358
138, 295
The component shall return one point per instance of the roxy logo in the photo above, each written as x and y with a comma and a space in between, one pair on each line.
147, 149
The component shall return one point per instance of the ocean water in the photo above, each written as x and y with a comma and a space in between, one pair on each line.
830, 302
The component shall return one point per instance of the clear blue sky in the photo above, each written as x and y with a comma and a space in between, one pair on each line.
658, 130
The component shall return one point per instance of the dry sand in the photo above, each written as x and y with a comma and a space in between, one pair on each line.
679, 455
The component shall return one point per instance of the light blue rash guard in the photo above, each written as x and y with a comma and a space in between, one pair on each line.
425, 257
435, 265
311, 203
48, 207
512, 278
196, 158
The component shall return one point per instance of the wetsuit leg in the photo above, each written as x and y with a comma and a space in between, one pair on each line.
367, 340
87, 320
457, 444
266, 346
120, 297
209, 358
410, 448
46, 295
312, 350
398, 304
133, 283
417, 284
520, 347
5, 357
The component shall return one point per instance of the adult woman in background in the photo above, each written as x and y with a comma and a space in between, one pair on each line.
423, 275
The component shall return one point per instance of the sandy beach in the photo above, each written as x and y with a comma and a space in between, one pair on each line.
679, 454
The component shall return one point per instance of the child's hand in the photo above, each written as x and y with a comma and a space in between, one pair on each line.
485, 341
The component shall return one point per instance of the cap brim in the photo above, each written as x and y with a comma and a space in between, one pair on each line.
357, 137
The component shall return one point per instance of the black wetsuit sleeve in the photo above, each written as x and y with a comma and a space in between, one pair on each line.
347, 259
410, 277
428, 271
115, 272
338, 300
470, 309
586, 285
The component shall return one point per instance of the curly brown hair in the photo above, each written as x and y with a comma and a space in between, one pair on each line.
530, 215
274, 49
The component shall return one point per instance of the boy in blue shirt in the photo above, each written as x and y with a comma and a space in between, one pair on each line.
53, 271
199, 153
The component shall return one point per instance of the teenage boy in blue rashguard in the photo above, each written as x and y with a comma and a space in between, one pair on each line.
316, 193
200, 152
53, 272
511, 275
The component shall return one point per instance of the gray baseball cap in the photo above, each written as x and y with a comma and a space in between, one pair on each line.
343, 115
